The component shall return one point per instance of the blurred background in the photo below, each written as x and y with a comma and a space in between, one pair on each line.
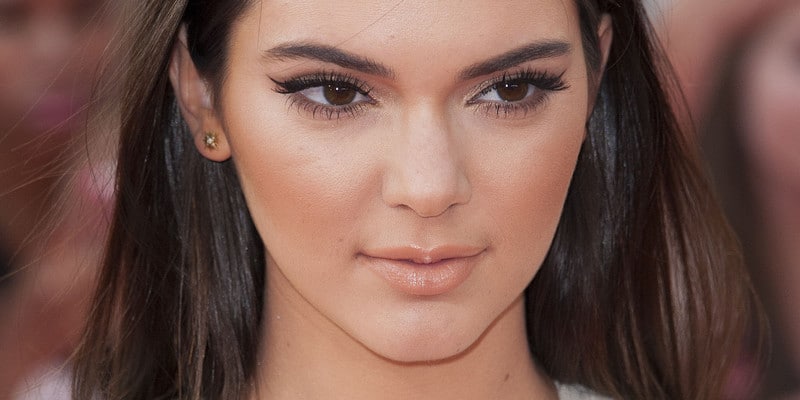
737, 63
53, 187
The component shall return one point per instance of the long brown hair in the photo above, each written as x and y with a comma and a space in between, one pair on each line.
642, 295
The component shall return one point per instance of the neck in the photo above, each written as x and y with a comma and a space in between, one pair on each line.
306, 356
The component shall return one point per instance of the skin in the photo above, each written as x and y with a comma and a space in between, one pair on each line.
418, 165
771, 124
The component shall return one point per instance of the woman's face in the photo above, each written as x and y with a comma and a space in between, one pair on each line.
405, 163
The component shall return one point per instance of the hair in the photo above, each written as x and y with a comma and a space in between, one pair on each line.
642, 294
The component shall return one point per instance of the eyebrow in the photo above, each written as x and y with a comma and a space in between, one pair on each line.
328, 54
344, 59
514, 57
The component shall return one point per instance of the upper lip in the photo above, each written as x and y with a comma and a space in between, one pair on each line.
424, 255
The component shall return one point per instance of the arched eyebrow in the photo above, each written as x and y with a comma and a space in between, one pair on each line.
514, 57
344, 59
328, 54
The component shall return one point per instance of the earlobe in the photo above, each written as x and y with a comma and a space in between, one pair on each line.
194, 99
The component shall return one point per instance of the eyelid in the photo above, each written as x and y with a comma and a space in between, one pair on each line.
301, 82
293, 88
545, 84
542, 80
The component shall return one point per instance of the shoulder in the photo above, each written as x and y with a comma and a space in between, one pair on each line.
577, 392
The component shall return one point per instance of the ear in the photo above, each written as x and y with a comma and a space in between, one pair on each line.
605, 35
195, 101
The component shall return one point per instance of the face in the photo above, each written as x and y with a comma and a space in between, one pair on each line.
48, 53
405, 163
771, 110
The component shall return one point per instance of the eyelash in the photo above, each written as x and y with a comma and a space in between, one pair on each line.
543, 84
293, 86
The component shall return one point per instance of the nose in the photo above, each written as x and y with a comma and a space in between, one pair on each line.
425, 169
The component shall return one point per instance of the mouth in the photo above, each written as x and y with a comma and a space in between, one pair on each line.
423, 272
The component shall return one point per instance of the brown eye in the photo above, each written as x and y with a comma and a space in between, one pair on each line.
339, 95
512, 91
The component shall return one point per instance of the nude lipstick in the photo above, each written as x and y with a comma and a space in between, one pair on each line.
423, 272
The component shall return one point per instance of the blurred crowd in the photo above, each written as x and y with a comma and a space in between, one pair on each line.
52, 187
737, 64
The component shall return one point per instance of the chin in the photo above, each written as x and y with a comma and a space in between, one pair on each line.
422, 353
434, 334
430, 343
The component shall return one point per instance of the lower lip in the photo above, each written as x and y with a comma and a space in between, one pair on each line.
423, 279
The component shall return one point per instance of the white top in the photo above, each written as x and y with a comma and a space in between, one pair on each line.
576, 392
53, 383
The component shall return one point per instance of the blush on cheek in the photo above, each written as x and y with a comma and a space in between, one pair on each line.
532, 200
300, 197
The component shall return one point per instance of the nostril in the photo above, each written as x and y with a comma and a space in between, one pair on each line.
426, 201
427, 207
425, 168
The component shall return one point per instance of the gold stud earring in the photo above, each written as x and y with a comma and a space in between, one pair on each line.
210, 140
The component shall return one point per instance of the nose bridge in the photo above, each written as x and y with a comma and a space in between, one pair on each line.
426, 169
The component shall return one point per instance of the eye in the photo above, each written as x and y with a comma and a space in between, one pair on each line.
327, 95
507, 91
334, 94
517, 94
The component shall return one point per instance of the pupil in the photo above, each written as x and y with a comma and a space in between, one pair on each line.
512, 91
339, 95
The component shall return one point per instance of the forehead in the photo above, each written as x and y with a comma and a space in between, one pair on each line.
417, 28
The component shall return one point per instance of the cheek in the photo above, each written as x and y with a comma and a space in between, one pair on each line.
303, 194
522, 187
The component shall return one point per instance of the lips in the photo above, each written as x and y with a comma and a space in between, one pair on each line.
423, 272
